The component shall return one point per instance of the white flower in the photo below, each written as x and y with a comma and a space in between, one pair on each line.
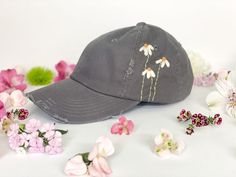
102, 148
163, 61
225, 96
199, 65
165, 145
147, 49
149, 72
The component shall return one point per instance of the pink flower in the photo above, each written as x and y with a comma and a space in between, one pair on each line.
64, 70
32, 126
54, 145
13, 130
36, 143
14, 141
124, 126
76, 167
2, 110
49, 130
99, 167
15, 99
10, 80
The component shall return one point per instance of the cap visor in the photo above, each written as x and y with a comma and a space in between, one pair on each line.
69, 101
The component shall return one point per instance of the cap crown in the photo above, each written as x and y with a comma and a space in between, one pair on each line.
142, 63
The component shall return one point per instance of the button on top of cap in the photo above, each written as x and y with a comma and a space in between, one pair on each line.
141, 24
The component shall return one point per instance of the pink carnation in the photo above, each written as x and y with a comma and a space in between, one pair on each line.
124, 126
64, 70
10, 81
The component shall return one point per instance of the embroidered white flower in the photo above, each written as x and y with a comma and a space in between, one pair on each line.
163, 61
147, 49
225, 96
149, 73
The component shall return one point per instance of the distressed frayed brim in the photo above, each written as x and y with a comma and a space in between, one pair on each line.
69, 101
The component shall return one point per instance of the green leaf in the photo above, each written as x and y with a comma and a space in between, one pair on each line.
22, 127
63, 132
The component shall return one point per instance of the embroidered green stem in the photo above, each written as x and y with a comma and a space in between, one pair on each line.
145, 66
150, 91
157, 76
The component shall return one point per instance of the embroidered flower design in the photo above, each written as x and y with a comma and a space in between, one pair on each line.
147, 49
149, 73
163, 61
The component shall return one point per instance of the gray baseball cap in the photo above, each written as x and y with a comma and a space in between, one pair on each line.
116, 72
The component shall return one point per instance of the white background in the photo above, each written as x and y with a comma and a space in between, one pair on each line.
42, 32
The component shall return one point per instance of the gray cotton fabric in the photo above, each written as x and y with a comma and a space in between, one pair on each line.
117, 71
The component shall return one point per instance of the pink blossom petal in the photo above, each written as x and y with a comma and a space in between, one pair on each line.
124, 126
76, 166
2, 110
130, 126
64, 70
122, 120
10, 80
93, 172
93, 153
17, 99
97, 165
116, 128
104, 165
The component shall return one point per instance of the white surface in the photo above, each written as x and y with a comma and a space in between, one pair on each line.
45, 31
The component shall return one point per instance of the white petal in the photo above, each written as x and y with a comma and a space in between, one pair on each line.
167, 63
231, 110
148, 75
180, 148
149, 51
162, 64
141, 49
215, 102
158, 140
167, 133
144, 72
164, 153
232, 77
146, 52
223, 86
153, 74
151, 47
158, 61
